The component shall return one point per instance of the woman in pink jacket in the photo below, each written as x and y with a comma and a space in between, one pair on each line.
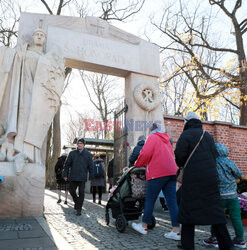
157, 155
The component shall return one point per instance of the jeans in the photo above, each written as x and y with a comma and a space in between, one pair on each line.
222, 235
233, 207
78, 200
168, 185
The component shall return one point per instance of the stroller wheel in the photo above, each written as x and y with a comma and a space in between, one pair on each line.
153, 223
107, 219
121, 223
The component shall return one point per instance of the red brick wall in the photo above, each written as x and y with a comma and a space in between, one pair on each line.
232, 136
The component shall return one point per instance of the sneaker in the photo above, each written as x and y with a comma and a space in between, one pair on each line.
211, 242
59, 201
173, 235
139, 228
239, 243
65, 202
99, 202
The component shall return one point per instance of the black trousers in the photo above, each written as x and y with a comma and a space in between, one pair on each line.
78, 200
100, 189
222, 235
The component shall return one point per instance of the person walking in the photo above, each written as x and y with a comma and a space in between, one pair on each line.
98, 181
61, 183
136, 151
228, 172
77, 166
199, 202
157, 155
110, 173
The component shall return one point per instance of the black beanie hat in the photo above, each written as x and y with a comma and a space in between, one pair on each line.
81, 140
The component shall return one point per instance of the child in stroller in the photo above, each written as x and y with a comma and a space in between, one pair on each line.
127, 200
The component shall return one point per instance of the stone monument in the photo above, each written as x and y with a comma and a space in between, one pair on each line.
31, 85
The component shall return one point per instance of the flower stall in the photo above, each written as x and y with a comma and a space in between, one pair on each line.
243, 206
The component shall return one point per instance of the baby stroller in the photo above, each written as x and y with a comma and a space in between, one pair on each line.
124, 204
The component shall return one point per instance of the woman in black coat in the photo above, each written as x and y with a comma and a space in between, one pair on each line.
61, 183
199, 201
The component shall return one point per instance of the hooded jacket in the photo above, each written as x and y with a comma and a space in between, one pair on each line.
157, 155
227, 171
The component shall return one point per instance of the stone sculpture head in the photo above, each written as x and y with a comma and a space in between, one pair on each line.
39, 37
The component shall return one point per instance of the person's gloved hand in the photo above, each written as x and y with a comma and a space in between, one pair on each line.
1, 179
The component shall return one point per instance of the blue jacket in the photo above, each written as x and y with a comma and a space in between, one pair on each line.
136, 151
228, 171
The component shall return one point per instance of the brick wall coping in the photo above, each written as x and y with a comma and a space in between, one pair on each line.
207, 122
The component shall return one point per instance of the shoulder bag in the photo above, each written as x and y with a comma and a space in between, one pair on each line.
180, 171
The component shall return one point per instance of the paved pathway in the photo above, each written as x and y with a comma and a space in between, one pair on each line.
89, 230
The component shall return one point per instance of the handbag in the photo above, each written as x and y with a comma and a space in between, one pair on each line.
180, 171
138, 186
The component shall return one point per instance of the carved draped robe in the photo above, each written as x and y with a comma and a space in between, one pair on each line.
30, 88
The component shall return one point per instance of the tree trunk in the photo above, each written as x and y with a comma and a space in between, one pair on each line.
48, 156
53, 150
243, 106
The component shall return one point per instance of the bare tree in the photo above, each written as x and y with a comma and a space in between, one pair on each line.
85, 125
100, 89
202, 60
113, 10
9, 18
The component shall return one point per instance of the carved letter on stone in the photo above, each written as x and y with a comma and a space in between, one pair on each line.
147, 96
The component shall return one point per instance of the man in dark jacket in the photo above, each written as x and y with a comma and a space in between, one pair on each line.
136, 151
77, 166
200, 202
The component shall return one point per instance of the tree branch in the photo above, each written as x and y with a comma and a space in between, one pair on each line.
47, 7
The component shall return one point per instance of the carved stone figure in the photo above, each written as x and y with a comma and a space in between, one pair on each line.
31, 84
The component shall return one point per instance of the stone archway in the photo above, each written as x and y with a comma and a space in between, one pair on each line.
89, 44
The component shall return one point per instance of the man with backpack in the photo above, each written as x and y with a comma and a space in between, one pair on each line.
98, 181
77, 166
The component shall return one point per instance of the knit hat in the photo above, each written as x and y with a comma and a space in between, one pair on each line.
191, 115
81, 140
142, 138
153, 127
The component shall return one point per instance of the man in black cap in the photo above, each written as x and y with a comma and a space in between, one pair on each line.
77, 166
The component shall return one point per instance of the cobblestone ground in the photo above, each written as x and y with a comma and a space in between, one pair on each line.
89, 231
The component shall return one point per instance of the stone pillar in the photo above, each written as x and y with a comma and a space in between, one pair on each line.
139, 118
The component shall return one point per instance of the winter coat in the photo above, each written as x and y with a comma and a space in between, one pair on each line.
59, 169
157, 155
136, 151
200, 202
227, 171
110, 169
78, 165
98, 181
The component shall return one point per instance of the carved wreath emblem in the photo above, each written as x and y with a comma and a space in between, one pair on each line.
146, 96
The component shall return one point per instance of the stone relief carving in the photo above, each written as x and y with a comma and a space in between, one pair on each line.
99, 27
146, 96
31, 84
